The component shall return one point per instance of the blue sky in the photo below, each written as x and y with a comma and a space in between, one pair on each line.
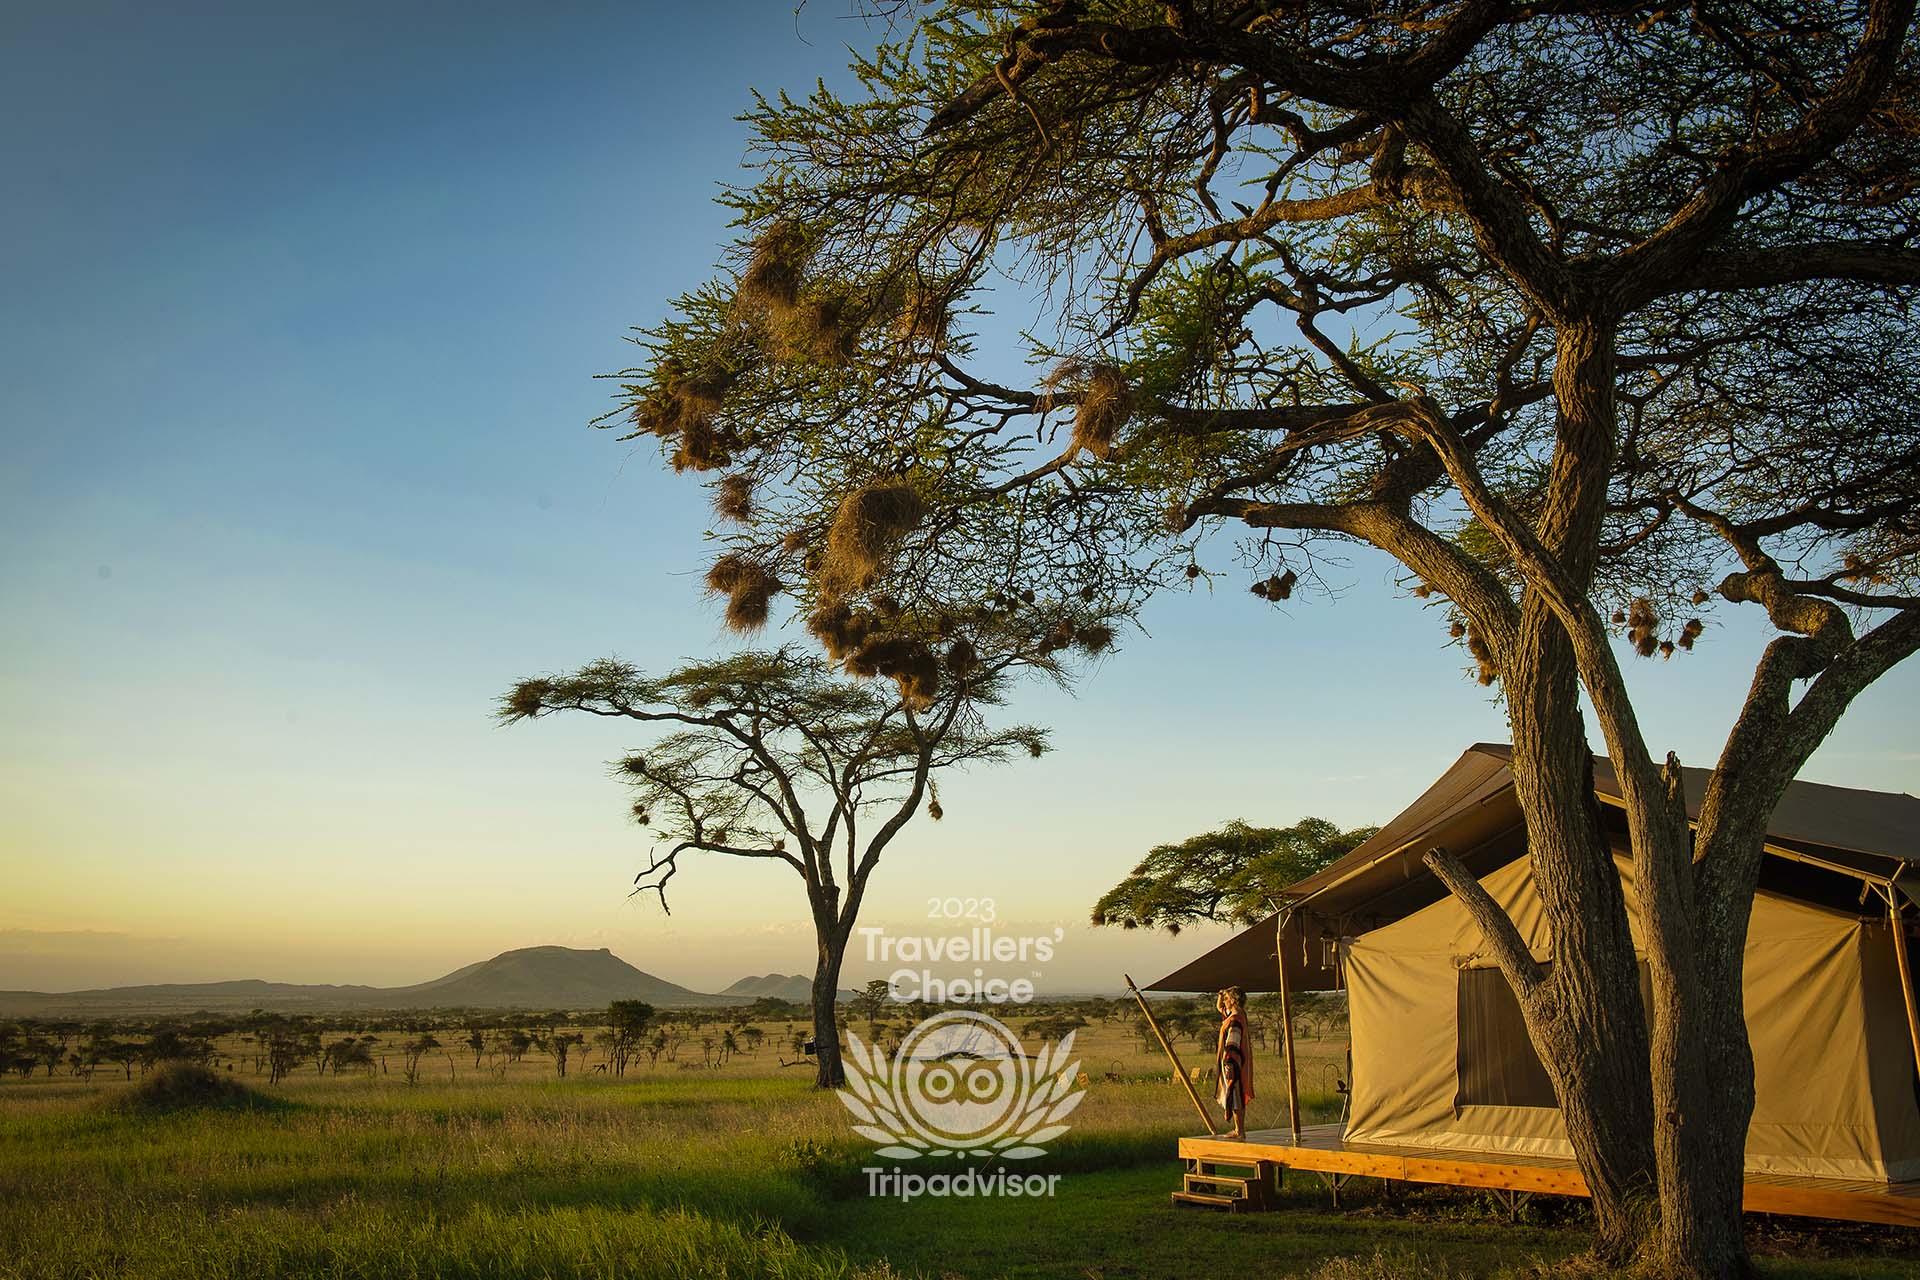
296, 359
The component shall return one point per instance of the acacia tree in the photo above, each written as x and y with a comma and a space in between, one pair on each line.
627, 1022
1233, 875
873, 999
776, 756
1592, 316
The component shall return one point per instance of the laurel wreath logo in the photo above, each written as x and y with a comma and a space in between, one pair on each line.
961, 1085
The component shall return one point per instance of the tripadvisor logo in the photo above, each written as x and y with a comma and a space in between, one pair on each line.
960, 1086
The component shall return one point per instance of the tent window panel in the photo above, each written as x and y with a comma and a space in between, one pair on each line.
1497, 1064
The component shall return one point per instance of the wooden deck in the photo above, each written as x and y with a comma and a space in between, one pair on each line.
1323, 1149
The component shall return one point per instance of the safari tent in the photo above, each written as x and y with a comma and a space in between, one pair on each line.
1441, 1062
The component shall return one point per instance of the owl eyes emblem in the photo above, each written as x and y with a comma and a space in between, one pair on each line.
961, 1083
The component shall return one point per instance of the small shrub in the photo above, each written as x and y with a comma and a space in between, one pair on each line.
811, 1161
185, 1086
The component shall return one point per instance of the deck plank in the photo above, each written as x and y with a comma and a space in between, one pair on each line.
1324, 1149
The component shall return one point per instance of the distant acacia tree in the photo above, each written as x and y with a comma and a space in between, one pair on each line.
287, 1048
1233, 875
124, 1052
772, 1007
559, 1044
513, 1043
47, 1050
350, 1051
412, 1051
775, 756
872, 1001
627, 1022
179, 1044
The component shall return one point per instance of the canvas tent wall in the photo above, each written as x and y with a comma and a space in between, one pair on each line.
1441, 1059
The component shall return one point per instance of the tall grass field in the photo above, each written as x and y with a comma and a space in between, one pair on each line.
740, 1171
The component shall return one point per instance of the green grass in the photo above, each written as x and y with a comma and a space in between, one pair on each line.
684, 1175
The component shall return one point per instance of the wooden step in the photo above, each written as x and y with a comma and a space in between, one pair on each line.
1218, 1184
1203, 1201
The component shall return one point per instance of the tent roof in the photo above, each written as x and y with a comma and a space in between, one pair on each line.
1473, 811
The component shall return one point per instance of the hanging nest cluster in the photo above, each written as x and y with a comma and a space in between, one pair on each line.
733, 498
749, 587
769, 295
1090, 638
1094, 639
1482, 655
866, 530
925, 311
908, 662
1642, 622
934, 809
813, 331
771, 281
683, 406
856, 639
1276, 588
1105, 405
1691, 632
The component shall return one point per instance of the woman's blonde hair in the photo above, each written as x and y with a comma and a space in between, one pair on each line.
1235, 998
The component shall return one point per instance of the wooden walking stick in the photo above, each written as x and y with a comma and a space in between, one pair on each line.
1283, 913
1179, 1071
1286, 1031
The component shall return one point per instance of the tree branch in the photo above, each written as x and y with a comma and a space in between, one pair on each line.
1729, 270
1496, 926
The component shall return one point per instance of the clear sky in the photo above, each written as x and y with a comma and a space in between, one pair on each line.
298, 320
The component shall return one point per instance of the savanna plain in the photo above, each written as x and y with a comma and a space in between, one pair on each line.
717, 1162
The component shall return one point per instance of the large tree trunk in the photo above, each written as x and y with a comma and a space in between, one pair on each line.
1587, 1020
1703, 1102
826, 984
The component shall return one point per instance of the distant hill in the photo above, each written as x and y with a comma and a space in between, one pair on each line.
792, 987
542, 978
781, 986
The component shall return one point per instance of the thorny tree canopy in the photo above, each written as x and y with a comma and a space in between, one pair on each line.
774, 755
1301, 270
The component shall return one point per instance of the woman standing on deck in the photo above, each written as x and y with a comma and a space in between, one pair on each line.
1233, 1063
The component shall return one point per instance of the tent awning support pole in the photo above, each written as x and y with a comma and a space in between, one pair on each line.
1179, 1071
1906, 973
1286, 1026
